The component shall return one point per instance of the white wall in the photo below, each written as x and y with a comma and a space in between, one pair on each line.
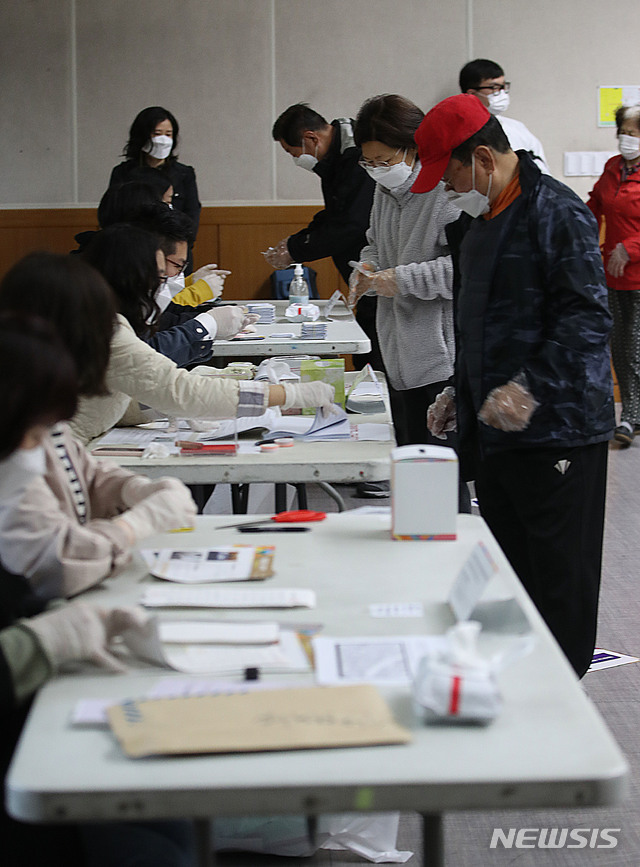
76, 72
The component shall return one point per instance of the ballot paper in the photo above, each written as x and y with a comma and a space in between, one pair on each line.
286, 719
168, 596
220, 632
93, 711
334, 427
388, 660
204, 565
286, 654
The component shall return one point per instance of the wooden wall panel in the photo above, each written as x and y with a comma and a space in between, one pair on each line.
231, 236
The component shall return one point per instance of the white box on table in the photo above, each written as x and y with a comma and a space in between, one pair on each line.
424, 492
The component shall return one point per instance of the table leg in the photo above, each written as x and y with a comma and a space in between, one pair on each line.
281, 497
206, 855
329, 489
239, 499
201, 494
432, 840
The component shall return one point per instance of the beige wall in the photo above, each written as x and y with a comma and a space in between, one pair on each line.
75, 73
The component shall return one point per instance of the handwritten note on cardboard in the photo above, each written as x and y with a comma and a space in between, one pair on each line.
282, 719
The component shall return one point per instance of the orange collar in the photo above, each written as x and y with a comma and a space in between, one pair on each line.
506, 197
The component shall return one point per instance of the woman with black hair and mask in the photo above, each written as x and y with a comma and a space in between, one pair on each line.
153, 140
38, 388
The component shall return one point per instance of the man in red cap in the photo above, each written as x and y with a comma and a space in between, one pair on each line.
532, 392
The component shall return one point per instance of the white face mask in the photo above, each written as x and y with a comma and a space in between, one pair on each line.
159, 146
473, 202
391, 177
19, 469
306, 161
167, 291
498, 102
629, 146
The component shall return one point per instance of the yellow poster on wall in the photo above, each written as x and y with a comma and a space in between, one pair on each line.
611, 97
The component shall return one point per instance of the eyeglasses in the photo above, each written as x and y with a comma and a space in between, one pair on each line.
496, 88
180, 267
378, 164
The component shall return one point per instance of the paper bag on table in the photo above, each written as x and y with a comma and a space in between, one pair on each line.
314, 717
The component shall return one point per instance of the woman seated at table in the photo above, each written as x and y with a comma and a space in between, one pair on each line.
38, 387
78, 522
132, 262
136, 371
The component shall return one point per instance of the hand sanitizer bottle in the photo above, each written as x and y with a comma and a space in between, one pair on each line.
298, 288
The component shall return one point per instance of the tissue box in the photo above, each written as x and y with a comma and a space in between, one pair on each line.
424, 492
330, 370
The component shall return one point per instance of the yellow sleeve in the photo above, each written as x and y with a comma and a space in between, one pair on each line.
193, 293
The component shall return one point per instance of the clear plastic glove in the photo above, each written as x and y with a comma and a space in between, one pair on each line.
359, 281
508, 407
279, 257
303, 394
231, 320
385, 283
441, 415
161, 511
78, 632
618, 260
137, 488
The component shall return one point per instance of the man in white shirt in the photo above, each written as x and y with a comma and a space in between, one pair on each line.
485, 79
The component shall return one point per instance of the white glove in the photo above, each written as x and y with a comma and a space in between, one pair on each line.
213, 276
441, 415
166, 509
137, 488
303, 394
79, 631
231, 320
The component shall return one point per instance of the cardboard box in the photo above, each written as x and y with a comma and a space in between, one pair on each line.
330, 370
424, 492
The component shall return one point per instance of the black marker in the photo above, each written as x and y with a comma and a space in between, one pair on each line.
273, 529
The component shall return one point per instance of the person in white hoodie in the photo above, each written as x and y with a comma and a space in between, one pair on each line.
485, 79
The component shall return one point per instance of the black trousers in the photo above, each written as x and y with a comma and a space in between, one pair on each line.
545, 506
409, 414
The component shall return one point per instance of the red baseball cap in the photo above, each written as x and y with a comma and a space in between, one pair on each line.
448, 124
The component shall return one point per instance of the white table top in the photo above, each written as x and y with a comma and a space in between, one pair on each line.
344, 335
549, 746
340, 461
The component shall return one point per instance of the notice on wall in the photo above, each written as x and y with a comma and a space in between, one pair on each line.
611, 97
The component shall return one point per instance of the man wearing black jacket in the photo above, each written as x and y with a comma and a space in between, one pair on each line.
329, 150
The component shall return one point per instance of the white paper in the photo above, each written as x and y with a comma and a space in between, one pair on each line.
369, 432
202, 565
396, 609
168, 596
389, 660
471, 582
217, 632
609, 659
286, 655
93, 711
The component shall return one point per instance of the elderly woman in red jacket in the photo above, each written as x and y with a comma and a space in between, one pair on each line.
615, 200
